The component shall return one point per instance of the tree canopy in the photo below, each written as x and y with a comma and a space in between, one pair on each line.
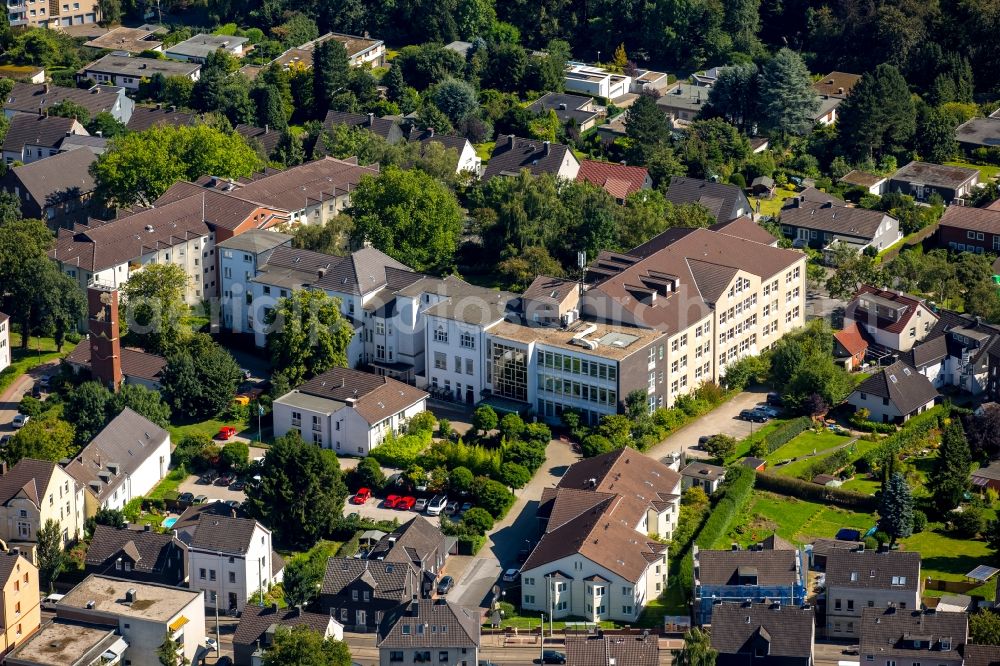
309, 335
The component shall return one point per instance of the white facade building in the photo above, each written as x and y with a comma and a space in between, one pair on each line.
239, 259
229, 559
348, 411
4, 341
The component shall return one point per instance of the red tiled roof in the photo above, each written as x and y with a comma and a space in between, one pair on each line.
619, 180
850, 339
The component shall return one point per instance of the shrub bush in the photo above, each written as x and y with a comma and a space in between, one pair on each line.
969, 522
919, 522
860, 422
402, 451
479, 459
806, 490
785, 433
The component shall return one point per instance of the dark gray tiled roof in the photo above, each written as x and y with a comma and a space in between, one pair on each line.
387, 129
47, 131
30, 475
700, 470
835, 219
891, 633
982, 655
389, 580
32, 97
872, 570
430, 623
145, 117
153, 549
512, 154
723, 200
415, 540
256, 621
630, 650
788, 630
223, 533
906, 388
117, 451
721, 567
57, 178
268, 136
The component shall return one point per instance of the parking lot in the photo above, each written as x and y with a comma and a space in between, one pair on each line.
374, 510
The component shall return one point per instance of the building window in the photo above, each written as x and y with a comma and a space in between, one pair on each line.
440, 335
232, 576
467, 340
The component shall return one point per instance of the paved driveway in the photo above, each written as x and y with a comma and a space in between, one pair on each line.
12, 396
724, 420
213, 492
374, 510
511, 534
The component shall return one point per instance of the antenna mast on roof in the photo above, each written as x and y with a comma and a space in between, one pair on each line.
581, 262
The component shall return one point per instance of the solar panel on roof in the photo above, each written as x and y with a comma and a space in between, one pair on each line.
982, 573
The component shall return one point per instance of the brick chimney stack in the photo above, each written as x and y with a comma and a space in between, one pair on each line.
105, 344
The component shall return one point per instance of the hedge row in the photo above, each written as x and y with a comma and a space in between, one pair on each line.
912, 434
786, 432
866, 425
811, 492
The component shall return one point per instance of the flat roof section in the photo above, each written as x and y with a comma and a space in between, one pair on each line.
158, 603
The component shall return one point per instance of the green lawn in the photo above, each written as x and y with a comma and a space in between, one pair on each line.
806, 443
40, 350
484, 150
949, 558
759, 432
528, 620
862, 484
986, 171
795, 469
167, 488
796, 520
773, 205
211, 427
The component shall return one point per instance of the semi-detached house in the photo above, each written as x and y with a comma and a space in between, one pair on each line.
857, 580
34, 492
891, 637
595, 559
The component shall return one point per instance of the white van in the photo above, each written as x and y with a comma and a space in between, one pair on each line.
436, 505
51, 600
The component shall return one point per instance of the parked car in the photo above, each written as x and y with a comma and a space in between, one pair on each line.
466, 506
772, 412
420, 505
452, 508
436, 505
552, 657
226, 432
4, 440
234, 504
362, 496
754, 415
391, 501
51, 600
187, 498
225, 480
406, 503
208, 477
44, 381
445, 584
201, 499
36, 392
20, 420
510, 575
238, 484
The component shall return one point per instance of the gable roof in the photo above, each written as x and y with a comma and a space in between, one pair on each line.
851, 339
145, 117
704, 471
905, 388
29, 477
221, 209
628, 650
99, 246
294, 188
373, 397
888, 632
618, 180
443, 624
892, 309
869, 569
972, 219
268, 136
46, 131
836, 84
931, 350
57, 178
224, 534
256, 621
149, 551
724, 201
511, 154
788, 630
745, 228
135, 362
189, 518
35, 97
9, 561
412, 542
982, 655
117, 451
828, 217
772, 567
449, 141
566, 106
389, 581
384, 127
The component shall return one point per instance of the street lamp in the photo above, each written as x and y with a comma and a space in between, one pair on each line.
598, 58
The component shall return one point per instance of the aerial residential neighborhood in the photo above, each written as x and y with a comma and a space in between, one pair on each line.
499, 333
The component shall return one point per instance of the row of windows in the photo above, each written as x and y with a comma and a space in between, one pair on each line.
578, 390
466, 339
738, 309
577, 366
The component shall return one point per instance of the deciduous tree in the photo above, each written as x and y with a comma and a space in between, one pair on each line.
43, 439
309, 335
303, 646
51, 558
153, 306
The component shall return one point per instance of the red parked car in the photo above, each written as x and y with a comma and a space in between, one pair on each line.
406, 503
226, 432
391, 501
362, 496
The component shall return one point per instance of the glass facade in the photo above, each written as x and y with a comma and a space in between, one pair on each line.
510, 371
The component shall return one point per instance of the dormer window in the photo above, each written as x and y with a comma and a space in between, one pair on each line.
945, 645
899, 580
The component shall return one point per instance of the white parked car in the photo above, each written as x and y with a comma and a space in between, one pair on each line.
51, 600
436, 505
20, 420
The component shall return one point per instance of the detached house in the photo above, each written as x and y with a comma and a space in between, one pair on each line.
891, 319
468, 160
129, 72
595, 559
922, 179
757, 574
32, 138
430, 631
230, 559
37, 98
860, 579
830, 224
766, 634
894, 394
513, 154
967, 229
890, 636
255, 632
124, 461
618, 180
383, 127
348, 411
726, 202
575, 110
200, 47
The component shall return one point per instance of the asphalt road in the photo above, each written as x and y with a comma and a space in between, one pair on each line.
12, 396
